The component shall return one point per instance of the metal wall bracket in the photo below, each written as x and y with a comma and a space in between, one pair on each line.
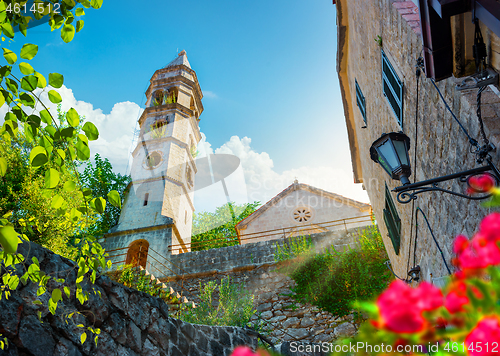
486, 77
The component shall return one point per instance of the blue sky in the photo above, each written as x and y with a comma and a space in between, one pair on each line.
267, 68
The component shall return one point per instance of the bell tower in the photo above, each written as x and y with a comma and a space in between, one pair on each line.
159, 204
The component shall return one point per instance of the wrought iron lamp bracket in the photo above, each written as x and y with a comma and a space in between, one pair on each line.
409, 192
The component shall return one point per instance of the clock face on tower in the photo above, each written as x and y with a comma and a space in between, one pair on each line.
153, 160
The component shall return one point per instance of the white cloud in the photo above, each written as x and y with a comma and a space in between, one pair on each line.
262, 182
116, 129
209, 94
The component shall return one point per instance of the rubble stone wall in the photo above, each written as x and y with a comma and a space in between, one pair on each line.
131, 322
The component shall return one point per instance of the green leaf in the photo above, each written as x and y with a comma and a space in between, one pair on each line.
72, 117
8, 239
91, 131
51, 178
54, 97
67, 291
10, 56
79, 12
34, 121
96, 4
29, 51
56, 80
83, 337
56, 295
26, 68
38, 156
2, 99
13, 282
57, 201
42, 82
69, 186
37, 302
70, 3
27, 99
79, 25
11, 86
67, 33
100, 205
3, 166
7, 29
46, 117
29, 83
114, 199
82, 150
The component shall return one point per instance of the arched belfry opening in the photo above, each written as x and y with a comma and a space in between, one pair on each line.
137, 253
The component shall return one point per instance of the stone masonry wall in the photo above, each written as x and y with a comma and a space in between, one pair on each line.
440, 146
131, 322
254, 267
248, 255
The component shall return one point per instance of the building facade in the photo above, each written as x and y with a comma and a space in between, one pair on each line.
379, 44
158, 208
300, 210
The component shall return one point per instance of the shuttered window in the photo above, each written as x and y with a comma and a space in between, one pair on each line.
360, 100
392, 88
392, 221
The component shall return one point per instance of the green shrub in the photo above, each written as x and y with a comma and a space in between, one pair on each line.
334, 279
293, 247
131, 277
235, 306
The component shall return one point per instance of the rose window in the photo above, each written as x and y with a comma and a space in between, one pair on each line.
302, 215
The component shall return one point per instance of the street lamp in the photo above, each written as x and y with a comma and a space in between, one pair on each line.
391, 152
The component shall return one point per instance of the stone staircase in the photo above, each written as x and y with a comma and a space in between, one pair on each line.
173, 298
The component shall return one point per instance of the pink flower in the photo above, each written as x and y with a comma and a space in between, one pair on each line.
486, 332
454, 302
490, 227
401, 306
243, 351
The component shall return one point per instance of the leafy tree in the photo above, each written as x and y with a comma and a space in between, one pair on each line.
217, 229
53, 153
100, 179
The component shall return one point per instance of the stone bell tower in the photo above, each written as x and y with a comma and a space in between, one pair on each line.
158, 209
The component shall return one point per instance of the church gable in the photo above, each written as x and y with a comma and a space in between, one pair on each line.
300, 205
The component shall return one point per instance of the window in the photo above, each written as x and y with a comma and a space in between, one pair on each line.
392, 88
360, 100
146, 198
392, 221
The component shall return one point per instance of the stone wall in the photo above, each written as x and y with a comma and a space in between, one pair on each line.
131, 322
284, 319
440, 146
244, 256
254, 267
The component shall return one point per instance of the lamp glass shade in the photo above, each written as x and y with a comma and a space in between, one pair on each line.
402, 152
389, 155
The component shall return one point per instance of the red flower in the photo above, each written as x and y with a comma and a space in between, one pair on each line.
481, 183
401, 306
243, 351
486, 332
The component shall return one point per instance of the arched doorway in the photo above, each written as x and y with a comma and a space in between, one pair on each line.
138, 253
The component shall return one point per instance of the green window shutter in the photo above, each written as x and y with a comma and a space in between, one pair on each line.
360, 101
392, 221
393, 231
392, 88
